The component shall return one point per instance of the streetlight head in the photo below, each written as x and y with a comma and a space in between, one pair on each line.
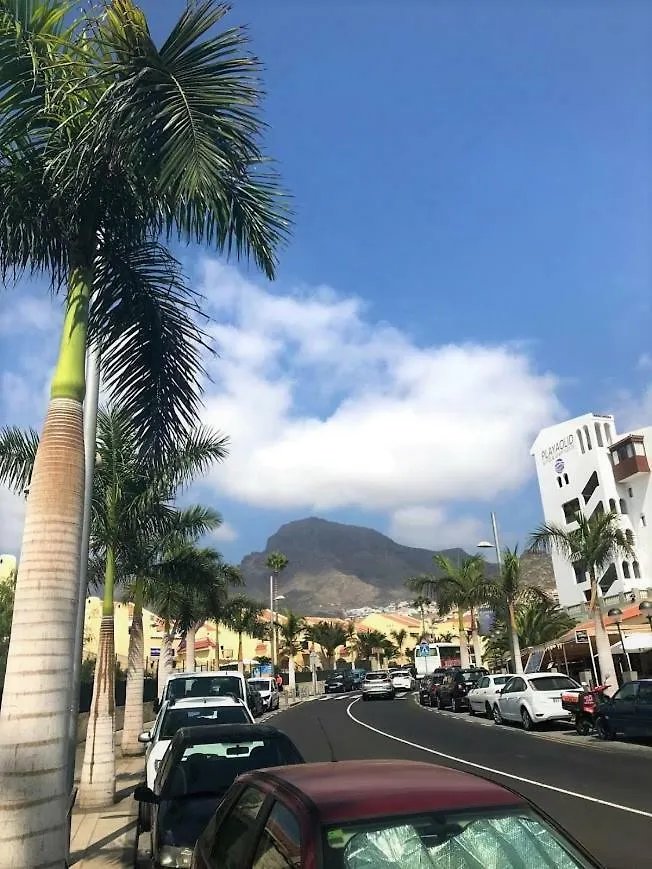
614, 612
645, 606
280, 597
484, 544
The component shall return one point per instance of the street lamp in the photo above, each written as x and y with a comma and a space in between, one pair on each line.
272, 620
645, 608
616, 613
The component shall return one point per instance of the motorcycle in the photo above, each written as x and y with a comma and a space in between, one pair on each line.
583, 705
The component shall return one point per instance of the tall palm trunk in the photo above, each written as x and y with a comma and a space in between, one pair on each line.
190, 649
240, 661
291, 673
34, 720
97, 786
217, 644
516, 645
165, 658
133, 722
605, 658
475, 639
465, 660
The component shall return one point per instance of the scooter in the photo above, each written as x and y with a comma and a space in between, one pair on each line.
583, 706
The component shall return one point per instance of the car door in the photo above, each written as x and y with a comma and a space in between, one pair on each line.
509, 698
227, 841
478, 695
622, 709
644, 710
279, 844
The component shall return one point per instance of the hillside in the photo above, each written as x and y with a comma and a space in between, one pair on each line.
334, 567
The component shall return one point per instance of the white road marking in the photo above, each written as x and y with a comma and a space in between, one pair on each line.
499, 772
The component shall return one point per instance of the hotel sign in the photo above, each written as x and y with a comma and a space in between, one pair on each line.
564, 445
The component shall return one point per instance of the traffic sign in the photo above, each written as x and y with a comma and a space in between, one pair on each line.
424, 648
581, 637
154, 653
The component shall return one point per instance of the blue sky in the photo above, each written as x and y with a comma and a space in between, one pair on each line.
470, 261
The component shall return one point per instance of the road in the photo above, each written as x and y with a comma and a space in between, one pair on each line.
603, 798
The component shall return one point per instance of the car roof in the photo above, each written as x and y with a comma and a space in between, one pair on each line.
351, 790
209, 733
186, 702
545, 673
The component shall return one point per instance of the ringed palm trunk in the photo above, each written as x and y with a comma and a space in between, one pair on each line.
133, 722
190, 649
292, 684
97, 786
240, 661
34, 720
217, 644
165, 659
516, 645
605, 658
465, 660
475, 639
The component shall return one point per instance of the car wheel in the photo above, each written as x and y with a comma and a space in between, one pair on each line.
487, 710
497, 717
603, 730
440, 705
526, 720
471, 710
583, 726
365, 697
144, 821
422, 701
456, 705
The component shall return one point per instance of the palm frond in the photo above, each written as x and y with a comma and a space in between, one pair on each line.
195, 452
17, 453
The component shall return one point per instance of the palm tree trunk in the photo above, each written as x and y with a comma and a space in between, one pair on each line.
516, 645
240, 663
133, 722
292, 683
190, 649
465, 660
34, 719
605, 658
97, 786
165, 658
217, 644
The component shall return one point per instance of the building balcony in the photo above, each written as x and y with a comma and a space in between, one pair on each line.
629, 458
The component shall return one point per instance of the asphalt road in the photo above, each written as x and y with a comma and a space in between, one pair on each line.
604, 799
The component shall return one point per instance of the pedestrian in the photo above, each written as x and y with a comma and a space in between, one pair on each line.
279, 682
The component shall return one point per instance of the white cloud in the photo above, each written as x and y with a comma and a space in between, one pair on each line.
12, 513
644, 361
226, 533
633, 411
30, 314
432, 528
326, 409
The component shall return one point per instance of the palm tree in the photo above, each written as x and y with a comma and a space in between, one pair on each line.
368, 641
459, 587
538, 621
244, 617
276, 562
217, 601
106, 142
420, 602
329, 636
400, 637
591, 547
292, 630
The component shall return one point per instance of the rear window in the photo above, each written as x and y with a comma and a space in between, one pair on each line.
553, 683
260, 684
501, 680
176, 718
376, 677
214, 686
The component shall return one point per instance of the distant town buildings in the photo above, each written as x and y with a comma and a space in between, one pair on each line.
585, 464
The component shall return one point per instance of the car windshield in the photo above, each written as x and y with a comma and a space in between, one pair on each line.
376, 677
178, 717
470, 840
260, 684
553, 683
207, 686
211, 768
338, 678
472, 675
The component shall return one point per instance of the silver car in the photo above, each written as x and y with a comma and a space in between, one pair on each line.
377, 684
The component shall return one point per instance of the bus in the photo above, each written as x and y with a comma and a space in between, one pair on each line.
440, 655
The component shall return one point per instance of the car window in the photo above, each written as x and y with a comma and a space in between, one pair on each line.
645, 692
553, 683
484, 683
627, 692
500, 680
280, 843
376, 677
233, 836
205, 686
517, 685
178, 717
261, 684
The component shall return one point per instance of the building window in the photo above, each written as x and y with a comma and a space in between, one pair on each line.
566, 479
629, 537
591, 486
608, 578
571, 509
626, 573
623, 505
581, 440
599, 509
580, 574
630, 492
559, 482
588, 437
598, 434
612, 506
607, 432
643, 520
636, 569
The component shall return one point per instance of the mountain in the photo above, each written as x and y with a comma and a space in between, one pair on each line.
333, 567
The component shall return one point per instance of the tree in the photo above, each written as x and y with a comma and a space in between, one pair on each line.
276, 562
368, 641
244, 617
538, 621
329, 636
459, 587
6, 612
108, 143
591, 547
420, 602
400, 637
292, 631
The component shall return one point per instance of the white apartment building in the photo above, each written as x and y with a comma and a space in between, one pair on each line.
584, 464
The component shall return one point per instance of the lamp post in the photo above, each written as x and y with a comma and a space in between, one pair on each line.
645, 608
616, 613
272, 619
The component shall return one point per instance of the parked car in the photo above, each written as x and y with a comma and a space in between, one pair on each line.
628, 712
484, 693
379, 813
268, 690
429, 687
534, 698
455, 686
188, 712
338, 683
377, 683
402, 680
199, 766
357, 674
217, 683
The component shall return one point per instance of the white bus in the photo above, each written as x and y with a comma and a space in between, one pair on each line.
439, 655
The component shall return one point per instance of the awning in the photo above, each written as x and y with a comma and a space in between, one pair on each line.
634, 643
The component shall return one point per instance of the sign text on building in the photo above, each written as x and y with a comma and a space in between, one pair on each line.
563, 445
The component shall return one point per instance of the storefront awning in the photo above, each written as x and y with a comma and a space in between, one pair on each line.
634, 643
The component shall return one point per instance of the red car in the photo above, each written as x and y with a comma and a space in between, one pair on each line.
379, 814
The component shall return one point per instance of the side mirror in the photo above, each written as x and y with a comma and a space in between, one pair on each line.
143, 794
145, 737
